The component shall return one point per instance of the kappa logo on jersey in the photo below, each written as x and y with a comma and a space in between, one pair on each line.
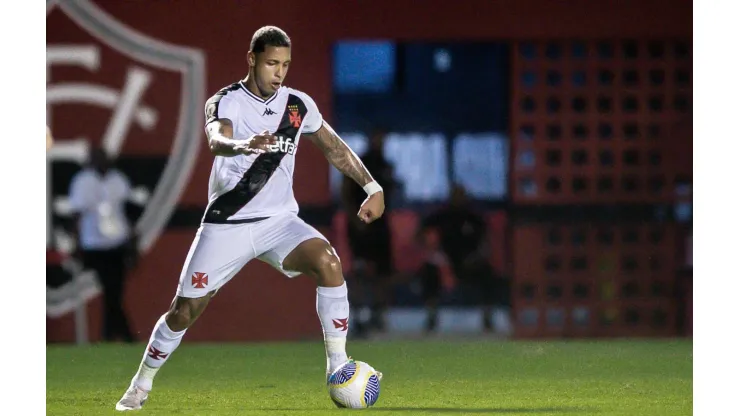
98, 63
199, 280
341, 324
295, 116
284, 144
268, 112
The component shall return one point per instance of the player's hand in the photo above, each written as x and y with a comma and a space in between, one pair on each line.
372, 208
259, 143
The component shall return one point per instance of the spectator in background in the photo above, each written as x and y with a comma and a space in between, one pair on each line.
370, 244
98, 196
457, 259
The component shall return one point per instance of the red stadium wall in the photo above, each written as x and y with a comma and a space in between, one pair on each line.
259, 304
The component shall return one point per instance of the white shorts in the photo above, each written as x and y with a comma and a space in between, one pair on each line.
219, 251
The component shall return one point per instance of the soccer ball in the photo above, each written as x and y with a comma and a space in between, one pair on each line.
355, 384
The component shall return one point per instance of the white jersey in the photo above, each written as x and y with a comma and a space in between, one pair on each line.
244, 188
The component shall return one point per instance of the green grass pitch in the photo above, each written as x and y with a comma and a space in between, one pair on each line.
625, 377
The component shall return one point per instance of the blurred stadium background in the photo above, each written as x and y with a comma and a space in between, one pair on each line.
569, 126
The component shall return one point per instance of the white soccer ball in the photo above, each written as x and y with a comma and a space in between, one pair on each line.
355, 385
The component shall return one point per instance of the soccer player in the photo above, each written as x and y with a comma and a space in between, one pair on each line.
254, 127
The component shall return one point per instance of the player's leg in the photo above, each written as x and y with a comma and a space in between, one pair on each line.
216, 255
316, 258
294, 247
166, 337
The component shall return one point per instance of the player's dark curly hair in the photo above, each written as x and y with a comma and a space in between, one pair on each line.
268, 36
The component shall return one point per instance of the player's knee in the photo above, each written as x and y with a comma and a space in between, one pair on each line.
329, 270
178, 319
183, 313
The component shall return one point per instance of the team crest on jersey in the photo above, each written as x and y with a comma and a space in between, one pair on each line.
133, 95
295, 116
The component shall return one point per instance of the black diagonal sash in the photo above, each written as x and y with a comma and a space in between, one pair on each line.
263, 167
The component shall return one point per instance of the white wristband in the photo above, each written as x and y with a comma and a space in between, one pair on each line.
372, 188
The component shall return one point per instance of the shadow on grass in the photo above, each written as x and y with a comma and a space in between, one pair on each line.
487, 410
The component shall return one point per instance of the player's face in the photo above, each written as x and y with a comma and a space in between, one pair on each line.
270, 68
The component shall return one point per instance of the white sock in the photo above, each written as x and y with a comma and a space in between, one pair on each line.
333, 309
161, 345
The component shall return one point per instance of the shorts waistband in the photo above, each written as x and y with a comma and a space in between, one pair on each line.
240, 221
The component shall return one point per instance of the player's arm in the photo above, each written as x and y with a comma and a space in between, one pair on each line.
346, 161
221, 142
340, 155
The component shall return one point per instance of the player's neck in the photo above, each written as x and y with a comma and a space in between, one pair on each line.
252, 87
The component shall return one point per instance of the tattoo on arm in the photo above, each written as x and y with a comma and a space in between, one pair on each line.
340, 155
221, 137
